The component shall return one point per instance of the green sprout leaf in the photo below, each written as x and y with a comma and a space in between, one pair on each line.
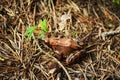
42, 35
43, 25
44, 28
29, 32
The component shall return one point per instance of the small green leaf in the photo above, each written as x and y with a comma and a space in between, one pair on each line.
29, 32
42, 35
43, 25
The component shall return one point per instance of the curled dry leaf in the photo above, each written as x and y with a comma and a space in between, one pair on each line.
63, 21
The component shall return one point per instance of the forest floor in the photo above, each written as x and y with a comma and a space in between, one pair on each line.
93, 24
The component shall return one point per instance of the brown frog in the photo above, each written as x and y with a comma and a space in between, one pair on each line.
65, 49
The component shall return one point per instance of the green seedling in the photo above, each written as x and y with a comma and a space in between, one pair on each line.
42, 35
43, 28
29, 32
43, 25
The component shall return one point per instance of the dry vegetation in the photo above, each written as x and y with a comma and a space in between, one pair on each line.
94, 23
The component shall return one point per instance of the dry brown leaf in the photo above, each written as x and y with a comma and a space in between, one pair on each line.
63, 21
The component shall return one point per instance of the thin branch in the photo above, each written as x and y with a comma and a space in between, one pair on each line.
110, 33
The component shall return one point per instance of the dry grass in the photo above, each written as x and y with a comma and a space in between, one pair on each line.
21, 60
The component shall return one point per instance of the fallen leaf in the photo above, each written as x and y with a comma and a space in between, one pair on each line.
63, 21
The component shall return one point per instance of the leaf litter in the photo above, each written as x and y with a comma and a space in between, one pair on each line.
89, 58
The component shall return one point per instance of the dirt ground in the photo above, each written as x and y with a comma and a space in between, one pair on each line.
94, 24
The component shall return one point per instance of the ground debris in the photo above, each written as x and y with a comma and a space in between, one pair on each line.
69, 21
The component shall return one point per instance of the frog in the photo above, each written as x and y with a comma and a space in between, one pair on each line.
65, 49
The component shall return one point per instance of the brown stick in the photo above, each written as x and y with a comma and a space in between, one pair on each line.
110, 33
